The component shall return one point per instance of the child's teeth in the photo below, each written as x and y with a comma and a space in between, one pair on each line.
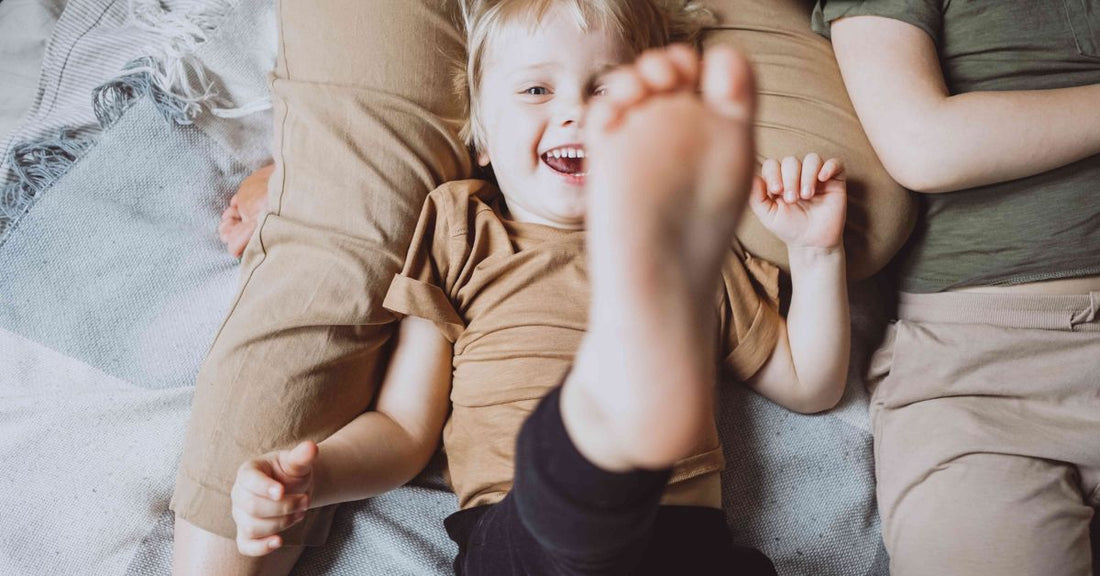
566, 153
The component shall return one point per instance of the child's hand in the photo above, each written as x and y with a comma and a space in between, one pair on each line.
246, 207
271, 494
802, 202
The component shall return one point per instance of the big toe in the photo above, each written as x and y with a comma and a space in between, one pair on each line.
728, 85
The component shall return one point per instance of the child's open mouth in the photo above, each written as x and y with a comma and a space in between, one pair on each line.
567, 160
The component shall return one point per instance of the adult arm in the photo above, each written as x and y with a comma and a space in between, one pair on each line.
931, 141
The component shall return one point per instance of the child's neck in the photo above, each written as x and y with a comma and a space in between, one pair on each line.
518, 214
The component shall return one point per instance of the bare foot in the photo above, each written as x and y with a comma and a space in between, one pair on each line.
246, 207
669, 175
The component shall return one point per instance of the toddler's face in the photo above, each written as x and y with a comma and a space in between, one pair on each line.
535, 86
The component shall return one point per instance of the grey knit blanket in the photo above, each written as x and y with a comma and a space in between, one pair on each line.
113, 283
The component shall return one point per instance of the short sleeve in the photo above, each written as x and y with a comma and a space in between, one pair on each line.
421, 288
749, 319
924, 14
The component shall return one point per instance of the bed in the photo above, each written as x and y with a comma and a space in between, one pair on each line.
126, 125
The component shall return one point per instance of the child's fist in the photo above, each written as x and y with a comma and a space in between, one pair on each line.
246, 207
271, 494
802, 202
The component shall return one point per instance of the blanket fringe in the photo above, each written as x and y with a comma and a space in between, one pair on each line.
172, 66
35, 167
111, 100
170, 76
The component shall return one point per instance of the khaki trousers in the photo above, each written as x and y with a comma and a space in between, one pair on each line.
986, 415
365, 127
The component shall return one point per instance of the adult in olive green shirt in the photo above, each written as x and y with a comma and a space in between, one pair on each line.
986, 392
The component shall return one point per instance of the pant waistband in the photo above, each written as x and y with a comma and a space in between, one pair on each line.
1054, 312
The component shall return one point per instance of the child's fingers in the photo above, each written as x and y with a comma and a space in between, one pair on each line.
254, 530
261, 528
773, 177
832, 169
238, 240
298, 463
791, 169
251, 478
811, 165
251, 505
760, 200
258, 547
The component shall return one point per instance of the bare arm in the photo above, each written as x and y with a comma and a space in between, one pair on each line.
803, 202
809, 367
385, 448
931, 141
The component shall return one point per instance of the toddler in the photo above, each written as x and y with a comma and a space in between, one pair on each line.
561, 326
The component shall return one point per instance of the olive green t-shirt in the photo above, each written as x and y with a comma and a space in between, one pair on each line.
1043, 227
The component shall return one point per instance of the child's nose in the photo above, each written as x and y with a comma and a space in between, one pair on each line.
573, 118
571, 112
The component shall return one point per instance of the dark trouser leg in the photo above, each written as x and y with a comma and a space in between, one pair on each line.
565, 516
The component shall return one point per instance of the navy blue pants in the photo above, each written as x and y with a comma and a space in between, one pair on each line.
565, 516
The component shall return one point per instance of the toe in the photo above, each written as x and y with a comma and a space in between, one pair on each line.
686, 62
624, 88
727, 84
658, 71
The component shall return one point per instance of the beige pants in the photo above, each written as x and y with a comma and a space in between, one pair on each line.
365, 128
986, 415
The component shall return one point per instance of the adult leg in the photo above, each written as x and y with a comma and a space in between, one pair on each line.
804, 107
365, 128
985, 435
983, 514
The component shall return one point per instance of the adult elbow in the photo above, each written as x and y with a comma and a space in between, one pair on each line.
920, 177
920, 163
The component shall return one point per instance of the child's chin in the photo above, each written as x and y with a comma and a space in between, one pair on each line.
568, 218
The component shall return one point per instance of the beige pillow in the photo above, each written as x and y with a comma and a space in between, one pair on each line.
804, 108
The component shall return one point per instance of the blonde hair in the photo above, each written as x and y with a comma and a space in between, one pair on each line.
640, 24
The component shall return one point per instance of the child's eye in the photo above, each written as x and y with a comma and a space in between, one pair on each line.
599, 91
536, 91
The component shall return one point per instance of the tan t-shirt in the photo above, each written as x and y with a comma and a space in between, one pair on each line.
513, 298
